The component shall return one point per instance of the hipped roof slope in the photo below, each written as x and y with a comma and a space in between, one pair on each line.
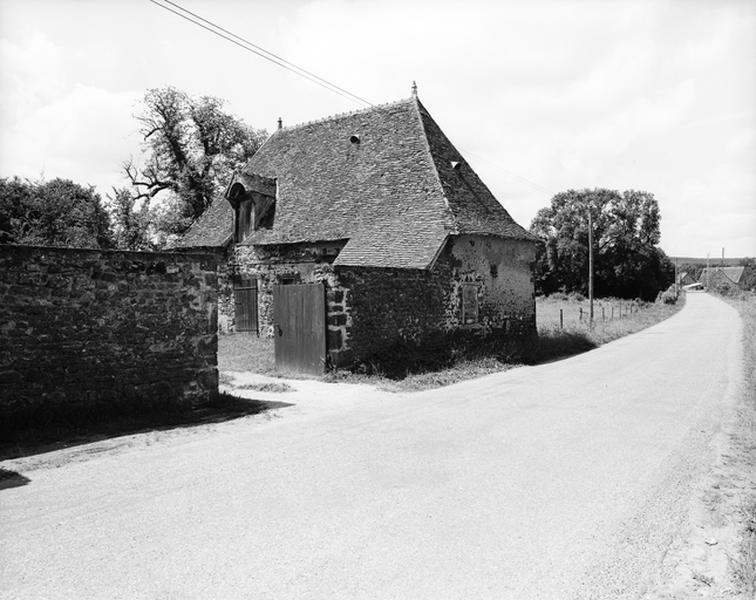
381, 178
734, 274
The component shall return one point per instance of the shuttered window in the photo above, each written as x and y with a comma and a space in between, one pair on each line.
245, 304
469, 304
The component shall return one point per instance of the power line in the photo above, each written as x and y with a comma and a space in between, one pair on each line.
293, 68
532, 184
268, 52
261, 52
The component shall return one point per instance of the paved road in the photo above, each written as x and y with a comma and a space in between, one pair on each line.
565, 480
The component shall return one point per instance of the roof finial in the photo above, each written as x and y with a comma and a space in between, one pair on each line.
414, 89
280, 123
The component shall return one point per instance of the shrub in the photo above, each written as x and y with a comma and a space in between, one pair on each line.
668, 297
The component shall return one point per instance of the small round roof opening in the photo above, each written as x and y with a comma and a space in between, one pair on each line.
456, 165
355, 139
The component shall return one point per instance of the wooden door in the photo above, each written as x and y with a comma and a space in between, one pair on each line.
299, 313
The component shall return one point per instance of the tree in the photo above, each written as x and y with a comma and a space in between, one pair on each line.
58, 212
130, 224
627, 262
191, 148
748, 280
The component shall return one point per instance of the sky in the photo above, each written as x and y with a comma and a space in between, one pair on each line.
539, 96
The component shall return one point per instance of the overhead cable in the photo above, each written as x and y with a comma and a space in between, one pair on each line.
259, 51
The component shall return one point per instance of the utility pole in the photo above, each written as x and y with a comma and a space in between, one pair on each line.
590, 266
708, 273
676, 276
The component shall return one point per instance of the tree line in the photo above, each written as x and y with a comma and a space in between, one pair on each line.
626, 229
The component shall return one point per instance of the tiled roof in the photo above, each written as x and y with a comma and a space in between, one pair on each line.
213, 229
393, 193
732, 273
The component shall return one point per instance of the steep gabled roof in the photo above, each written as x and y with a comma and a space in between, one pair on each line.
734, 274
383, 178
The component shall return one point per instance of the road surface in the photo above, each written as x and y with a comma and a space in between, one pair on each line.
570, 479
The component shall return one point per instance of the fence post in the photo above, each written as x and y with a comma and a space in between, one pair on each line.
581, 313
603, 314
561, 319
612, 311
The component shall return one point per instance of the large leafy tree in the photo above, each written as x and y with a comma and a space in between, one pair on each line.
58, 212
191, 146
627, 260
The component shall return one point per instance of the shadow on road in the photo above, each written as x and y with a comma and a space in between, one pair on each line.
40, 436
11, 479
558, 344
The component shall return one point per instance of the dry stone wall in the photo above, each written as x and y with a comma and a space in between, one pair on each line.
105, 331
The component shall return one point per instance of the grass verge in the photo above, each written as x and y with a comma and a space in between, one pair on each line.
553, 342
744, 566
613, 319
424, 380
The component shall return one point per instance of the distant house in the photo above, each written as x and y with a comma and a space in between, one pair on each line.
368, 230
717, 277
685, 278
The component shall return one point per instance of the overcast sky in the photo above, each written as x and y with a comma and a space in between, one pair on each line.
539, 96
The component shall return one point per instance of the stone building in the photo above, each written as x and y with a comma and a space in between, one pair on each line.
381, 209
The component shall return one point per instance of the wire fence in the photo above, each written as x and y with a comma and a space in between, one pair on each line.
570, 315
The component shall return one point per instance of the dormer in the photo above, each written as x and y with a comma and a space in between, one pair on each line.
253, 198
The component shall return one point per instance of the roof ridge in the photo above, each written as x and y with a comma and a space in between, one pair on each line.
437, 176
344, 115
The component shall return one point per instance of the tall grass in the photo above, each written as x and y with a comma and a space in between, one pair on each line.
613, 318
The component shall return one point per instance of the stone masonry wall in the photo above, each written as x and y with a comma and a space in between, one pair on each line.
501, 270
104, 331
387, 309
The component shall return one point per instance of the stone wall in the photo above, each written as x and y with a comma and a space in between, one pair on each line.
501, 271
390, 309
104, 331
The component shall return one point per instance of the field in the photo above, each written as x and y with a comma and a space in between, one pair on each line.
613, 318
